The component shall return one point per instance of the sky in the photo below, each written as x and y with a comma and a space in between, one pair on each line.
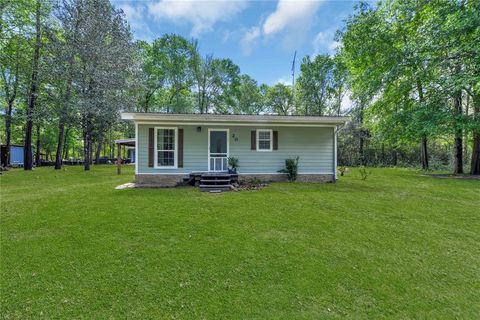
261, 37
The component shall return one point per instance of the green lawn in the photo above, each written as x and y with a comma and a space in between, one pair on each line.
398, 245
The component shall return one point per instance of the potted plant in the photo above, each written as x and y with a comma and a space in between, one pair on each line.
232, 165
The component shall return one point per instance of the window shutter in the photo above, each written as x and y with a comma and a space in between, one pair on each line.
180, 148
151, 146
253, 140
275, 140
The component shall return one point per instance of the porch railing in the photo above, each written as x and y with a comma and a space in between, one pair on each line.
218, 163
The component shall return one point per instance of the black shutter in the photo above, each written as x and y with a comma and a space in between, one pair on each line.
275, 140
253, 140
151, 146
180, 148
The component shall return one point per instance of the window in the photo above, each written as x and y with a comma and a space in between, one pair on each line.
264, 140
166, 147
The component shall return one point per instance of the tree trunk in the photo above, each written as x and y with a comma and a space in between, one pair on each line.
475, 164
424, 144
60, 142
394, 157
424, 152
66, 147
86, 144
90, 150
28, 159
383, 154
458, 143
64, 115
38, 145
86, 152
97, 153
466, 133
8, 132
362, 141
475, 167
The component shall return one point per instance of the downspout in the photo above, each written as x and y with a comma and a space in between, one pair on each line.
136, 149
335, 147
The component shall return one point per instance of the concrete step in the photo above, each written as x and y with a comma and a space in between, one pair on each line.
208, 187
208, 177
208, 181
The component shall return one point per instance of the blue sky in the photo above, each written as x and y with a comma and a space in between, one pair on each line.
259, 36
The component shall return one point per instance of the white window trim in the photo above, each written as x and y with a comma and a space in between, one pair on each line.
258, 140
175, 160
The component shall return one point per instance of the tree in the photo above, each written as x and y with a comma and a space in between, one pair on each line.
407, 74
14, 58
280, 99
28, 157
248, 96
316, 84
339, 89
173, 54
103, 54
214, 82
63, 44
225, 82
204, 80
475, 161
152, 75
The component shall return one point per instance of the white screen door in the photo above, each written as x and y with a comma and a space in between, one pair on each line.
218, 150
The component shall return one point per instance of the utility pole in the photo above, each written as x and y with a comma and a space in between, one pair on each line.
293, 77
293, 69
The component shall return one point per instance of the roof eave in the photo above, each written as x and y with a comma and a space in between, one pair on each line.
186, 118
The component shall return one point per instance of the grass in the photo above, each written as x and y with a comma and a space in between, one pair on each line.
398, 245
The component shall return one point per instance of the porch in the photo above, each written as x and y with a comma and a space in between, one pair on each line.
212, 181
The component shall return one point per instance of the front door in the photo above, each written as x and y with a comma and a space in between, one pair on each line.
218, 150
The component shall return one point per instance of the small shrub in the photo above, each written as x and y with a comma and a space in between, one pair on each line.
343, 170
364, 173
291, 169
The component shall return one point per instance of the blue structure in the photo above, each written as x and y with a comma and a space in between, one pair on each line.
131, 155
16, 155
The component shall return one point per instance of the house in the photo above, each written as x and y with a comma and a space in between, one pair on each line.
170, 147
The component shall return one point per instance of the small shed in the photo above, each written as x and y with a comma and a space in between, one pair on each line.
16, 155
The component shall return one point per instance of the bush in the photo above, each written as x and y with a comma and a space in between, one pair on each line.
291, 169
364, 173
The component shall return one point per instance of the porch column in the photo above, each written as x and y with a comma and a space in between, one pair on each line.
119, 158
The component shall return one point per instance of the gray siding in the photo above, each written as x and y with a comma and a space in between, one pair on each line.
313, 145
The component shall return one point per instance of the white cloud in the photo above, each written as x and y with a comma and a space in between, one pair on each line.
324, 42
347, 104
290, 14
292, 17
135, 15
284, 80
202, 15
249, 38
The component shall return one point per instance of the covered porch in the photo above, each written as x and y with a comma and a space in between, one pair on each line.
123, 144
